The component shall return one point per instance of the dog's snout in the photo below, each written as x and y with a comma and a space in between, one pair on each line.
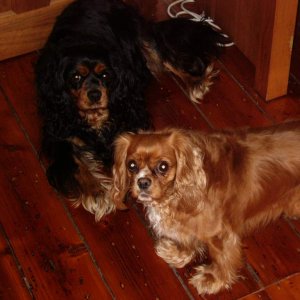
144, 183
94, 95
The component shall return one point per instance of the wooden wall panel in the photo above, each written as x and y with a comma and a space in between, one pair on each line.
240, 20
11, 284
5, 5
19, 6
26, 32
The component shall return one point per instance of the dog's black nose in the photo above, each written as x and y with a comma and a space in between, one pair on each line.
94, 95
144, 183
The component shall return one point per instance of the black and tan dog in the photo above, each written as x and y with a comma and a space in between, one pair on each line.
91, 77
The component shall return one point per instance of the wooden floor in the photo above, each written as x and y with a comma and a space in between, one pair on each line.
50, 250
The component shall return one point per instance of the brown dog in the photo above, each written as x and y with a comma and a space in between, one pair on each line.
205, 191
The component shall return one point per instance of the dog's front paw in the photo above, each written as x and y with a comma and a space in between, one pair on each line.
99, 205
172, 254
209, 280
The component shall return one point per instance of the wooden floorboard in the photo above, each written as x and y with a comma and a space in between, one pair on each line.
52, 255
12, 285
50, 250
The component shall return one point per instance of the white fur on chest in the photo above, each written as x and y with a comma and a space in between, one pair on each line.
162, 223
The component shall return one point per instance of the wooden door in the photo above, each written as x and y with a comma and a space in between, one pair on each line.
25, 24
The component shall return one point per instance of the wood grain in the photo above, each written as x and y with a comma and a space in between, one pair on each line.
275, 47
44, 240
177, 107
243, 72
289, 288
19, 6
5, 5
274, 252
27, 31
11, 284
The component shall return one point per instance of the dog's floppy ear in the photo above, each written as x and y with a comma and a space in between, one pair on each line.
56, 106
120, 179
190, 180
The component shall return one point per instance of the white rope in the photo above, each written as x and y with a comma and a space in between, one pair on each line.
196, 17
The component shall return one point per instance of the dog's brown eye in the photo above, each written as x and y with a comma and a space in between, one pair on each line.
76, 78
132, 166
162, 167
104, 76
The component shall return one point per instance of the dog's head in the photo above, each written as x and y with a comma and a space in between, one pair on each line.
157, 167
87, 81
86, 85
74, 82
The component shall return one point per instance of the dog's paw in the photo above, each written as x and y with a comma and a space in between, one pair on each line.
172, 254
198, 89
98, 205
209, 280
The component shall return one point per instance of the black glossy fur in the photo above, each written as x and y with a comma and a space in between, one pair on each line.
109, 34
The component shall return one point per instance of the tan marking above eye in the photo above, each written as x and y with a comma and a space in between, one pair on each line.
99, 68
83, 70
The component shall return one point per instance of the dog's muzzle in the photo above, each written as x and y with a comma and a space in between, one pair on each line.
94, 96
144, 183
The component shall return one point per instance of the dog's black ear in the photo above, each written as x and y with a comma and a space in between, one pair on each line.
55, 105
49, 73
127, 92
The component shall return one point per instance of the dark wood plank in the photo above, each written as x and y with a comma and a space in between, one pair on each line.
19, 6
169, 106
289, 288
5, 5
54, 259
21, 91
228, 106
242, 71
261, 295
124, 251
274, 252
11, 284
